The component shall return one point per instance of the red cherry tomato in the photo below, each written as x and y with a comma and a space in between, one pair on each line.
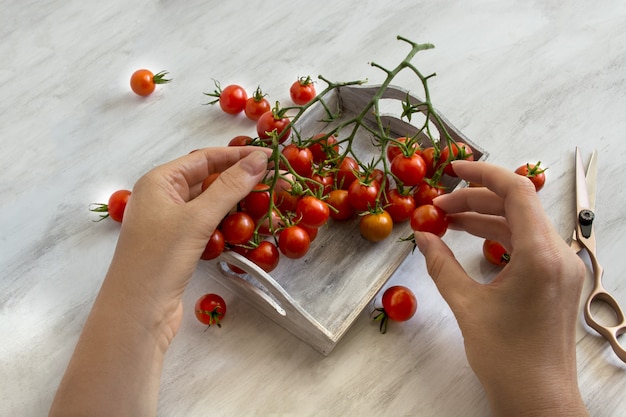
240, 141
143, 82
340, 207
459, 151
347, 172
395, 148
232, 99
265, 255
114, 208
300, 159
495, 253
425, 193
323, 148
257, 202
312, 212
294, 242
429, 218
238, 228
302, 91
399, 206
376, 226
214, 247
256, 105
535, 173
269, 122
399, 304
429, 157
322, 182
363, 196
410, 170
210, 309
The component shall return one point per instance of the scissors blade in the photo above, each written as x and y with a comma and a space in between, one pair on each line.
585, 189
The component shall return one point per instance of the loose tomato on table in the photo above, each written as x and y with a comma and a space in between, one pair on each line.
240, 140
214, 247
114, 208
302, 91
256, 105
273, 121
535, 173
399, 304
460, 151
265, 255
143, 81
210, 309
232, 99
340, 207
312, 212
429, 218
376, 226
495, 253
238, 228
294, 242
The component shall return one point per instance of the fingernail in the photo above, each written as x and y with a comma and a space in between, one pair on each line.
255, 163
421, 240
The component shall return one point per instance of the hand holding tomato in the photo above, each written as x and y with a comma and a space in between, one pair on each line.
520, 329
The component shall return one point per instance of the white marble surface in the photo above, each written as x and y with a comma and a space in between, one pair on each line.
528, 81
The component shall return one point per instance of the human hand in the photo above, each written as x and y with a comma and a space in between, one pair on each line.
520, 329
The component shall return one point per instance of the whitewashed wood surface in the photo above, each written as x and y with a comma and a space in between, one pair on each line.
528, 81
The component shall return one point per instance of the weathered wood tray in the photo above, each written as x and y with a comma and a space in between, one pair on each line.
317, 298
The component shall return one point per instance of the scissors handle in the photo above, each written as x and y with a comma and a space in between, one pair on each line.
599, 294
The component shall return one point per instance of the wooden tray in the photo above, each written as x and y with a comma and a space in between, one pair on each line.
318, 297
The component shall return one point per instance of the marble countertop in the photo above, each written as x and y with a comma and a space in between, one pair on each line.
528, 81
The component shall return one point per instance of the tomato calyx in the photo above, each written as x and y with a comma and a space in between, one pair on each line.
99, 208
534, 169
159, 78
408, 109
258, 94
383, 317
214, 316
216, 93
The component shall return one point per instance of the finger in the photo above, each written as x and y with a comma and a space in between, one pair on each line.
448, 275
478, 199
485, 226
230, 187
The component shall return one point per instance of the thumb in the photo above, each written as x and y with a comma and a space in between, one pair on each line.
448, 275
231, 186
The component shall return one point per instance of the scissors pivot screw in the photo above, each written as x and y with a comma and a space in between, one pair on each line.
586, 217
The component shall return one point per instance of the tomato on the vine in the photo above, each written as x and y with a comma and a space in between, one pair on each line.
294, 242
214, 247
399, 304
495, 253
430, 159
300, 159
363, 196
265, 255
340, 207
257, 202
399, 206
535, 173
429, 218
143, 81
210, 309
347, 172
425, 193
395, 147
271, 121
410, 170
460, 151
302, 91
312, 212
321, 182
323, 147
115, 207
376, 226
238, 228
256, 105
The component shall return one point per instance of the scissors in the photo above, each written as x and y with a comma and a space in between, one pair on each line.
584, 238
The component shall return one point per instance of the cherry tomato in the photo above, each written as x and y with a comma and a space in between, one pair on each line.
264, 224
535, 173
114, 208
340, 207
257, 202
210, 309
395, 148
429, 157
429, 218
241, 140
265, 255
363, 196
238, 228
233, 99
378, 175
143, 82
322, 182
312, 231
323, 148
312, 212
209, 180
347, 172
399, 304
459, 151
495, 253
424, 193
294, 242
300, 159
243, 251
376, 226
399, 206
302, 91
269, 122
214, 247
410, 170
256, 105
